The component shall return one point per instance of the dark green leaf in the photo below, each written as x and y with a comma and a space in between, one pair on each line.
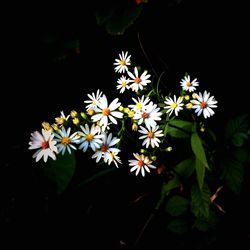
200, 201
205, 224
178, 226
200, 172
179, 128
61, 170
198, 149
233, 173
171, 184
239, 138
237, 125
186, 167
177, 205
122, 19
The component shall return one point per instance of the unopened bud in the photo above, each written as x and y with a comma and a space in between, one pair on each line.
73, 113
169, 149
187, 97
126, 110
76, 121
142, 150
189, 105
83, 115
46, 126
121, 108
131, 114
153, 158
134, 127
90, 112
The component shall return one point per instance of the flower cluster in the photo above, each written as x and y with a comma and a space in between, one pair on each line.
101, 128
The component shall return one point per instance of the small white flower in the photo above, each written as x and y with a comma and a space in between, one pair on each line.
106, 148
138, 81
141, 164
189, 85
140, 104
94, 100
150, 136
90, 138
204, 104
65, 140
44, 144
173, 105
107, 112
122, 63
150, 114
60, 120
113, 157
123, 84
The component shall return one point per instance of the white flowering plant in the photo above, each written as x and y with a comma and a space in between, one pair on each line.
141, 131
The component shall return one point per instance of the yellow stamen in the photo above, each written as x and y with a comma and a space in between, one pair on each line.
106, 111
65, 140
89, 137
151, 134
173, 105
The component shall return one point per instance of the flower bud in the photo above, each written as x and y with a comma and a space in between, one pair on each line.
83, 115
90, 112
76, 121
73, 113
121, 108
134, 127
168, 149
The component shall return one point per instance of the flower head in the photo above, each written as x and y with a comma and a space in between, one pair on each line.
189, 85
121, 64
204, 104
123, 84
89, 138
65, 140
93, 100
141, 164
105, 112
44, 144
138, 81
173, 105
150, 136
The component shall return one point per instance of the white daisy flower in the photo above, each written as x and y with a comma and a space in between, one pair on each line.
140, 104
44, 144
62, 119
150, 136
113, 157
122, 63
94, 100
107, 112
149, 115
89, 138
138, 81
189, 85
123, 84
65, 140
106, 148
173, 105
204, 104
141, 164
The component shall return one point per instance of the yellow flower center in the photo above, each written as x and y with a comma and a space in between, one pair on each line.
106, 111
137, 80
65, 140
139, 105
189, 84
174, 105
124, 84
122, 62
151, 134
89, 137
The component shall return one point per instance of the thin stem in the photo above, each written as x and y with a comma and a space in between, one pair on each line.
146, 56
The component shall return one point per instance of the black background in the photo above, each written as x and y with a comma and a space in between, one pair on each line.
207, 39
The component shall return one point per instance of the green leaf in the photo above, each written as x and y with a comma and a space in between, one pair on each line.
61, 170
233, 173
171, 184
178, 226
237, 126
122, 19
200, 201
186, 167
198, 149
200, 172
205, 224
239, 138
179, 128
177, 205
